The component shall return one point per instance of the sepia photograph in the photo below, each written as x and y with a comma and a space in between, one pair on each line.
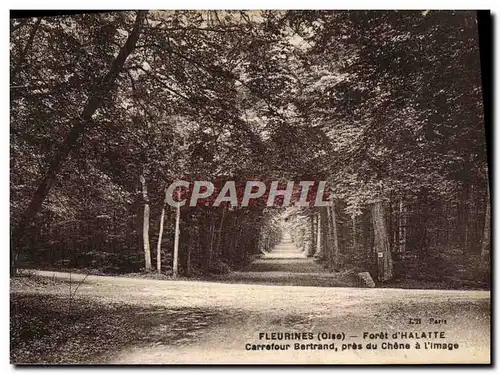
247, 187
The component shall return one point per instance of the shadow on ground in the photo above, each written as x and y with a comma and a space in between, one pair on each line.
44, 330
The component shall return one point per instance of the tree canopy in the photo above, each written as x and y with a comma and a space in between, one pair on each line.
107, 109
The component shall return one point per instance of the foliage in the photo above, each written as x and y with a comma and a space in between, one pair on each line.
385, 106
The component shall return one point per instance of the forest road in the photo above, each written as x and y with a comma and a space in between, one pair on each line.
286, 265
217, 322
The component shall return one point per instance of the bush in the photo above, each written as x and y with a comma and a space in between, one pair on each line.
219, 267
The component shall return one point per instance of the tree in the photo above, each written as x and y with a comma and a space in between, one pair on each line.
71, 141
382, 248
175, 266
145, 224
160, 234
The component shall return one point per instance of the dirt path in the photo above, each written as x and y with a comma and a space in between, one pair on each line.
257, 310
219, 321
286, 265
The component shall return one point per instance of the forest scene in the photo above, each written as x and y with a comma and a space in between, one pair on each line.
108, 109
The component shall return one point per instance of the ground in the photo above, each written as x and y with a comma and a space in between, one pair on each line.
130, 320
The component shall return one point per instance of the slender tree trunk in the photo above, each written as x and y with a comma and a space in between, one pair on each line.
318, 237
262, 244
449, 223
463, 217
402, 226
145, 224
486, 242
238, 239
312, 244
72, 140
327, 237
335, 238
354, 241
219, 233
472, 240
175, 265
368, 229
211, 243
382, 248
466, 227
160, 234
188, 261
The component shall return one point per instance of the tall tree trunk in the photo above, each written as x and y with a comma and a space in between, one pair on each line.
367, 234
466, 222
219, 233
188, 261
145, 224
326, 228
160, 234
211, 243
175, 265
473, 232
335, 237
312, 245
318, 237
390, 224
463, 217
382, 248
402, 226
238, 239
447, 238
423, 226
261, 243
354, 241
486, 242
71, 142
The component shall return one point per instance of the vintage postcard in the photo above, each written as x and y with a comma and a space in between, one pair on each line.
249, 187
